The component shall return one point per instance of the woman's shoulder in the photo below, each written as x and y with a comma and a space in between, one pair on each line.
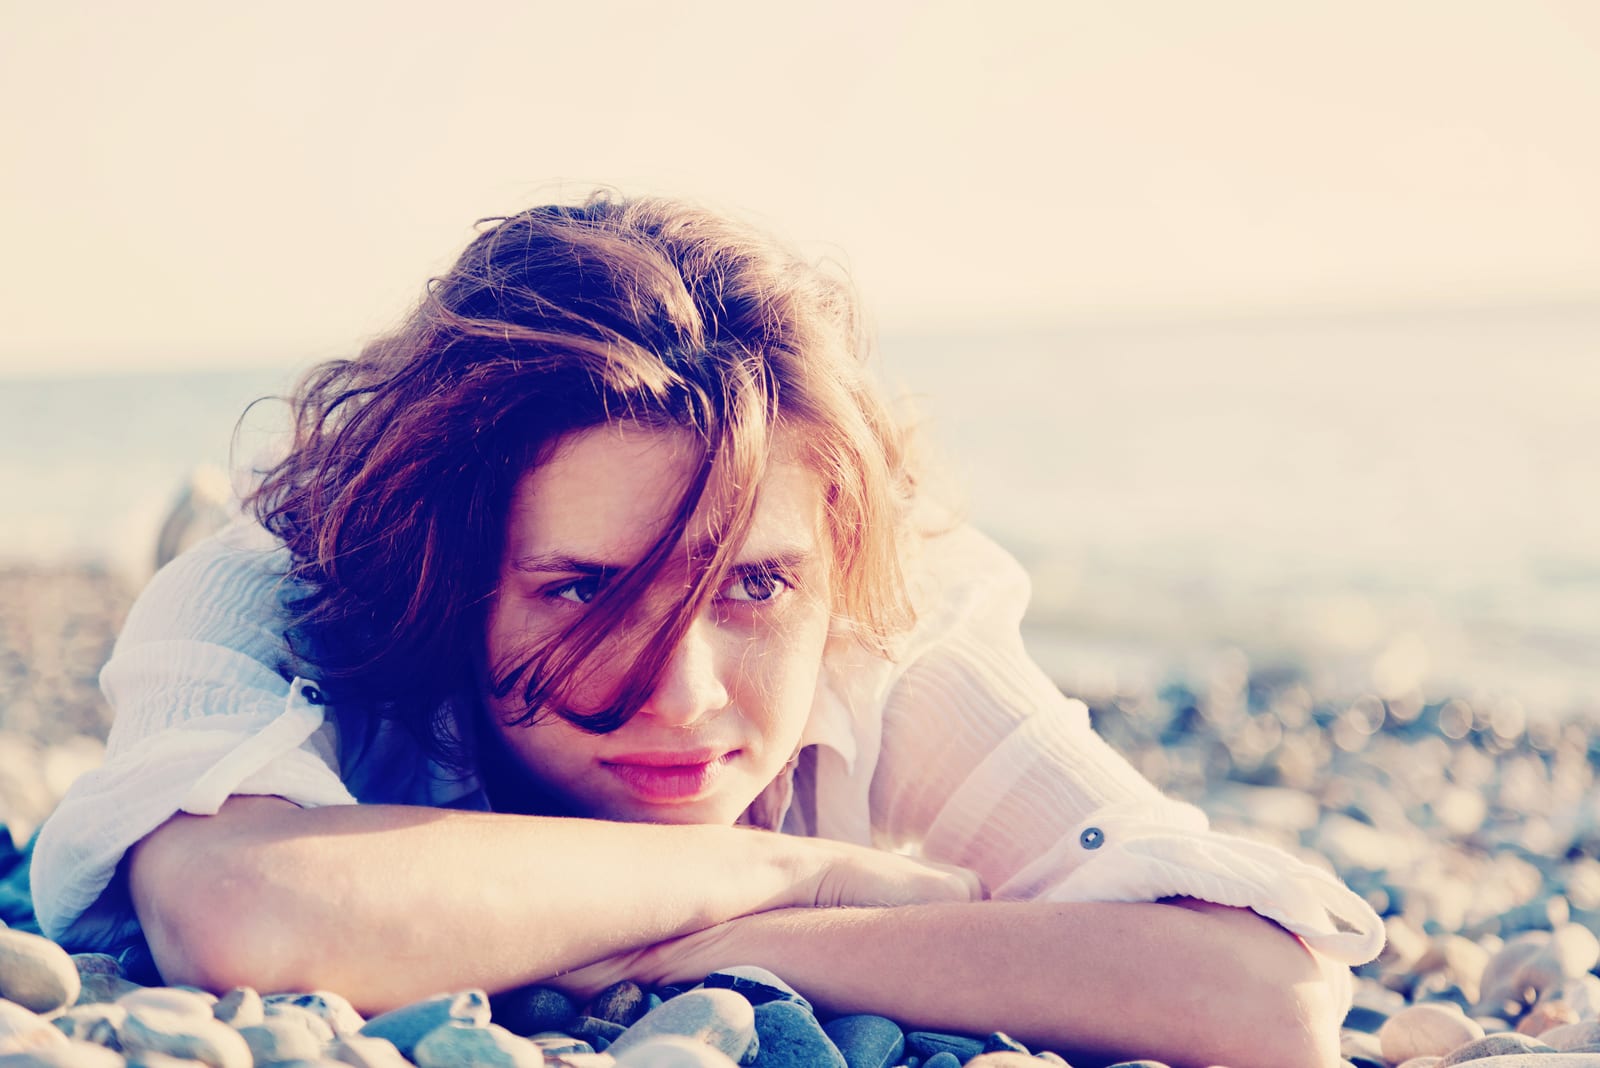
960, 579
228, 589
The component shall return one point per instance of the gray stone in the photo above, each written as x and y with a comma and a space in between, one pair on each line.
95, 964
1498, 1045
621, 1003
790, 1037
927, 1043
64, 1055
407, 1025
168, 999
93, 1023
552, 1043
867, 1041
366, 1052
464, 1045
299, 1016
35, 972
149, 1058
528, 1010
22, 1029
1000, 1042
672, 1051
595, 1031
240, 1007
335, 1009
279, 1038
721, 1019
200, 1038
943, 1059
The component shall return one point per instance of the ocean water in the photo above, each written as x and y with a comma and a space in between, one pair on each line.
1403, 504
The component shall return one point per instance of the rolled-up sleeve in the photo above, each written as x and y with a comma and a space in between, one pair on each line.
985, 764
203, 712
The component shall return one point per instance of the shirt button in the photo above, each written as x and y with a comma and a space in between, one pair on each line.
1092, 838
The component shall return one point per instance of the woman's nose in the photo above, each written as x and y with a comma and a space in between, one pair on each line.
691, 684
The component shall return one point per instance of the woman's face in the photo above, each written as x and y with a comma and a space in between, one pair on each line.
728, 710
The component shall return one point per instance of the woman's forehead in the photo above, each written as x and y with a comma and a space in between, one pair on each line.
605, 494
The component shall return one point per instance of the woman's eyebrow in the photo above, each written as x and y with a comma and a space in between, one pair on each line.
543, 563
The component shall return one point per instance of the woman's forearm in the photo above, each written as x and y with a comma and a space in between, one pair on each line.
389, 903
1197, 985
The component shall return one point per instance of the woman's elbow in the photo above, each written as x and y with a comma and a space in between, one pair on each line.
208, 908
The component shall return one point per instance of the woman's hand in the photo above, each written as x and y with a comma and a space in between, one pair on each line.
859, 876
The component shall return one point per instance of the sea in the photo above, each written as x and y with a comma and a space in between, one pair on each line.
1405, 503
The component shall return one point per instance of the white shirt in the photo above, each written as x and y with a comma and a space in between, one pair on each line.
961, 748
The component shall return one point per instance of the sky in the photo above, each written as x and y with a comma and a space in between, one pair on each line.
190, 184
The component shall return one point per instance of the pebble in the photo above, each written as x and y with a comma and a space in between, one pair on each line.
1428, 1029
64, 1055
595, 1031
721, 1019
168, 999
457, 1044
293, 1015
758, 985
927, 1043
240, 1007
23, 1029
942, 1059
621, 1003
198, 1038
528, 1010
670, 1051
1572, 1036
790, 1037
407, 1025
1500, 1045
334, 1009
35, 972
866, 1041
93, 1023
280, 1038
364, 1051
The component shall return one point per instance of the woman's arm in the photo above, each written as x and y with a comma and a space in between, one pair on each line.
1185, 982
387, 903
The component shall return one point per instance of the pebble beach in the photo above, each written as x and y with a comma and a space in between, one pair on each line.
1471, 824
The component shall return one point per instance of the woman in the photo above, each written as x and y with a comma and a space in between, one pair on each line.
606, 564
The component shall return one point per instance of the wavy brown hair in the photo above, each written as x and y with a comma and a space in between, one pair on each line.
394, 494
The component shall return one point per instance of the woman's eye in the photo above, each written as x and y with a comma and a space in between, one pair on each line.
580, 591
758, 587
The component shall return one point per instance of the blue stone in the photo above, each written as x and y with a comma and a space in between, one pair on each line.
867, 1041
926, 1043
1361, 1018
528, 1010
407, 1025
758, 985
790, 1037
942, 1059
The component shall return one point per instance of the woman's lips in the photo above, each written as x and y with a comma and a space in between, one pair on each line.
669, 778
